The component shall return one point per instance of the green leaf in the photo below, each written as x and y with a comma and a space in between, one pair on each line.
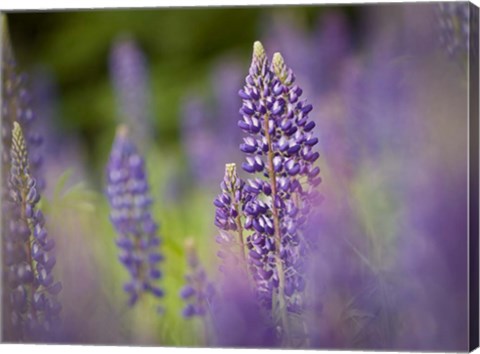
61, 182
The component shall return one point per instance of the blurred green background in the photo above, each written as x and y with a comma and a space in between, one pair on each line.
181, 45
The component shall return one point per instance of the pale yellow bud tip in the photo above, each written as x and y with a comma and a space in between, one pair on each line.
231, 171
277, 59
17, 133
122, 131
16, 127
279, 67
189, 243
258, 50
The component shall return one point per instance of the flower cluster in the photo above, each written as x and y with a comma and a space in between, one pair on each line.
272, 207
279, 146
454, 27
15, 107
130, 202
229, 218
35, 308
128, 71
199, 291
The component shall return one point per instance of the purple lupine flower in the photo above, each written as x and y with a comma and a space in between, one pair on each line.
228, 218
198, 291
129, 74
226, 78
279, 147
236, 298
453, 23
238, 318
29, 262
288, 34
61, 151
16, 106
198, 139
130, 203
331, 45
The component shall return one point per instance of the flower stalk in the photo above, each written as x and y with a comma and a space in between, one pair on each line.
278, 146
35, 308
130, 202
198, 291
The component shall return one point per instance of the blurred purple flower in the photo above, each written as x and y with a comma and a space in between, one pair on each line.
238, 319
290, 37
226, 77
16, 106
130, 201
205, 126
198, 291
315, 56
453, 20
34, 305
62, 150
331, 46
198, 141
129, 74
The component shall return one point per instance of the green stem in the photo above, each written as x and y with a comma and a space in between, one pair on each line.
28, 251
238, 222
278, 240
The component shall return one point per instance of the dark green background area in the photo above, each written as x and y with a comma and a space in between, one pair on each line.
181, 46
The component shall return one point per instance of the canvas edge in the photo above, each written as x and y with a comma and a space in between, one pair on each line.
473, 223
2, 36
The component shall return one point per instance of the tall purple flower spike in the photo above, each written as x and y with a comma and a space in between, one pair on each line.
130, 202
29, 263
198, 291
129, 74
229, 219
279, 148
16, 106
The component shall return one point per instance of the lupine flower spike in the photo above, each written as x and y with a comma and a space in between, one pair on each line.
16, 106
199, 291
278, 146
129, 75
35, 308
228, 218
130, 203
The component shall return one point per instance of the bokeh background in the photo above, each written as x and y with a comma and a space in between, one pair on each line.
389, 88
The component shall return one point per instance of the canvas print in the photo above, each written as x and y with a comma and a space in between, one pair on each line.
253, 177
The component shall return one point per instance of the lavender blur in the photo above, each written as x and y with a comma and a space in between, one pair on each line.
279, 145
34, 305
206, 126
316, 57
129, 74
198, 291
130, 202
453, 22
198, 139
16, 106
227, 76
